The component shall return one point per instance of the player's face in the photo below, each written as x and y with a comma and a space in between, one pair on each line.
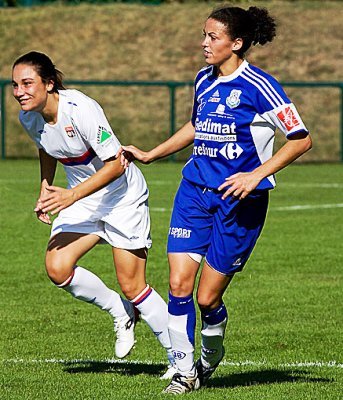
217, 44
29, 89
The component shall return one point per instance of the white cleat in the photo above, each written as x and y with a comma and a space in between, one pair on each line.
124, 329
171, 371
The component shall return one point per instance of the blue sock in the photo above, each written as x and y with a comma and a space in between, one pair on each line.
184, 306
181, 325
214, 317
212, 335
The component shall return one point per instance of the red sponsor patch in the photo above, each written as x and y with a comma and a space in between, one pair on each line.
288, 117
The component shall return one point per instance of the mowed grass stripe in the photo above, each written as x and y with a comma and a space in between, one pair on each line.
268, 364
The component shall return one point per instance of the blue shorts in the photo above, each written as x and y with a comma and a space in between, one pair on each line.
223, 231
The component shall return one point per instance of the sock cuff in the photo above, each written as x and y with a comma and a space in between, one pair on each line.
142, 295
67, 281
215, 316
180, 305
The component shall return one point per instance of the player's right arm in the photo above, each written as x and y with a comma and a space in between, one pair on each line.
180, 140
47, 170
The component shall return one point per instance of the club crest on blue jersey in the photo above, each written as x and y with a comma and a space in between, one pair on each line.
70, 131
233, 100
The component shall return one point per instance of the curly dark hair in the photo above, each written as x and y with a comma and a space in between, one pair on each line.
253, 26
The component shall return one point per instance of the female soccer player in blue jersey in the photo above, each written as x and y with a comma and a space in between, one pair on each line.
221, 204
103, 202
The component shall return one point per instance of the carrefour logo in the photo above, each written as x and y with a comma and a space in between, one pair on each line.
231, 151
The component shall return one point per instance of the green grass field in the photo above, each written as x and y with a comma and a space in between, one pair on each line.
284, 338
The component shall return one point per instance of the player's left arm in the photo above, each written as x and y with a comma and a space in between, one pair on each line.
59, 198
241, 184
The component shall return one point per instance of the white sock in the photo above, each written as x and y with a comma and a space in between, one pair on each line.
154, 312
86, 286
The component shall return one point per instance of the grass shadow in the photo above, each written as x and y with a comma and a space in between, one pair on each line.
263, 377
115, 366
251, 378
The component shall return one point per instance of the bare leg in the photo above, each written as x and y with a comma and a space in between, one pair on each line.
64, 250
212, 286
130, 267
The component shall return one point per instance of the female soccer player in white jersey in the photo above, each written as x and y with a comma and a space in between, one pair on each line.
221, 204
103, 202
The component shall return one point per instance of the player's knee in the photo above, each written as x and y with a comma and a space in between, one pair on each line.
207, 301
57, 270
179, 287
131, 289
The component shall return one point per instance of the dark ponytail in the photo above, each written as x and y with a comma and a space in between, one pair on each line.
253, 26
44, 68
265, 27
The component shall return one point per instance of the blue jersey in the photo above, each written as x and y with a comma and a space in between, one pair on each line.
235, 118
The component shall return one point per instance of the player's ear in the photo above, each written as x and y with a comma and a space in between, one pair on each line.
50, 86
237, 44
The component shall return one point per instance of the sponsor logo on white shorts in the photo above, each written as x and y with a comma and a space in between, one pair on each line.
180, 233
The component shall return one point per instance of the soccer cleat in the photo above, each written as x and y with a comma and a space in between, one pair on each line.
124, 329
182, 384
171, 371
204, 373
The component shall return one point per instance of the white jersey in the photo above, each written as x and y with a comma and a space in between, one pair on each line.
81, 140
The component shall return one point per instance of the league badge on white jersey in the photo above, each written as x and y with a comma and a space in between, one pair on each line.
70, 131
233, 100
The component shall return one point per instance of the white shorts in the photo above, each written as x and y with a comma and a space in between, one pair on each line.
125, 226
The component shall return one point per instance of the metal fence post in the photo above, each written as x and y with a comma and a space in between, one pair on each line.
172, 122
3, 120
341, 120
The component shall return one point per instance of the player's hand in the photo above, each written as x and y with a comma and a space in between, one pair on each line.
132, 153
125, 157
239, 185
55, 200
43, 217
